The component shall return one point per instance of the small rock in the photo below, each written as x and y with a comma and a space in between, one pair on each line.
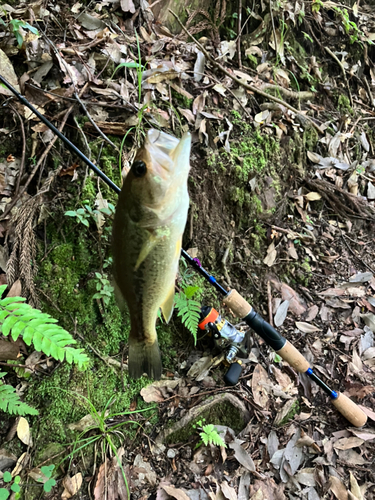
171, 453
7, 459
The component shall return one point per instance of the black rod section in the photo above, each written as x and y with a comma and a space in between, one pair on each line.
69, 144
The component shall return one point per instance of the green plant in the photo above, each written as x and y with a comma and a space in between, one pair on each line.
10, 401
15, 25
47, 470
37, 328
15, 487
208, 434
188, 308
106, 434
7, 478
82, 215
104, 288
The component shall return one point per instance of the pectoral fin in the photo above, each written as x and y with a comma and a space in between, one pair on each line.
167, 306
146, 249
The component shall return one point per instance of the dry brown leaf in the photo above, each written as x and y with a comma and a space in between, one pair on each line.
370, 413
351, 457
16, 289
228, 491
269, 260
354, 487
270, 490
306, 327
23, 432
313, 196
258, 382
175, 492
338, 488
348, 443
366, 435
157, 391
242, 456
71, 485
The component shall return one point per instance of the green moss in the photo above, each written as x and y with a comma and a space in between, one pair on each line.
310, 138
220, 414
343, 104
182, 101
294, 410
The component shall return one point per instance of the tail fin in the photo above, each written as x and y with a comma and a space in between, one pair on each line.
144, 358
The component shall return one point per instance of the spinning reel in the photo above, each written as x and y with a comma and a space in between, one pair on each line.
227, 338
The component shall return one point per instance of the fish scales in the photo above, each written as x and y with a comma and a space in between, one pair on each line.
149, 223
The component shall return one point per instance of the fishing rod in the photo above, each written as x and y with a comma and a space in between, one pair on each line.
232, 299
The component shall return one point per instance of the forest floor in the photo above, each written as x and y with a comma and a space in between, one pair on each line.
282, 189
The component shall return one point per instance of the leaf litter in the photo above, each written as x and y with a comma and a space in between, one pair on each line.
285, 451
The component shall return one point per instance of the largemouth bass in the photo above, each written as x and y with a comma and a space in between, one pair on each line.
149, 223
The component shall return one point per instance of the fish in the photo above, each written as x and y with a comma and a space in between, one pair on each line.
149, 223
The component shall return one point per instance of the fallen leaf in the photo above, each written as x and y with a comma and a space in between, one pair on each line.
313, 196
306, 477
347, 443
157, 391
271, 255
23, 432
281, 313
242, 456
258, 381
270, 490
306, 327
228, 491
71, 485
312, 313
354, 487
351, 457
338, 488
7, 71
175, 492
366, 435
370, 413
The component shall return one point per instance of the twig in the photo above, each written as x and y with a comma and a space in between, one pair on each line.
327, 49
22, 166
239, 34
252, 88
372, 100
356, 256
269, 293
93, 123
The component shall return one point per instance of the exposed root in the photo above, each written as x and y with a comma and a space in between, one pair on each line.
342, 202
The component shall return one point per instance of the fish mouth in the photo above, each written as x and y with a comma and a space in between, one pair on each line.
167, 150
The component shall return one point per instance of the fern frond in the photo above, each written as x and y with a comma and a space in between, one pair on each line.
188, 309
211, 436
11, 403
38, 328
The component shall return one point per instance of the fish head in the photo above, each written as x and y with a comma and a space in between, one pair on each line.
160, 169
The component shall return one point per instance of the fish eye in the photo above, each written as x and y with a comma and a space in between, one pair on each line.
139, 168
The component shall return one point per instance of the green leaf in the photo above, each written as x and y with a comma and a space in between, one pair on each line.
15, 487
71, 213
47, 470
7, 477
4, 494
48, 485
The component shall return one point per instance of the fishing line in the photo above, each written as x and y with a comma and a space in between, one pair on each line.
232, 299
